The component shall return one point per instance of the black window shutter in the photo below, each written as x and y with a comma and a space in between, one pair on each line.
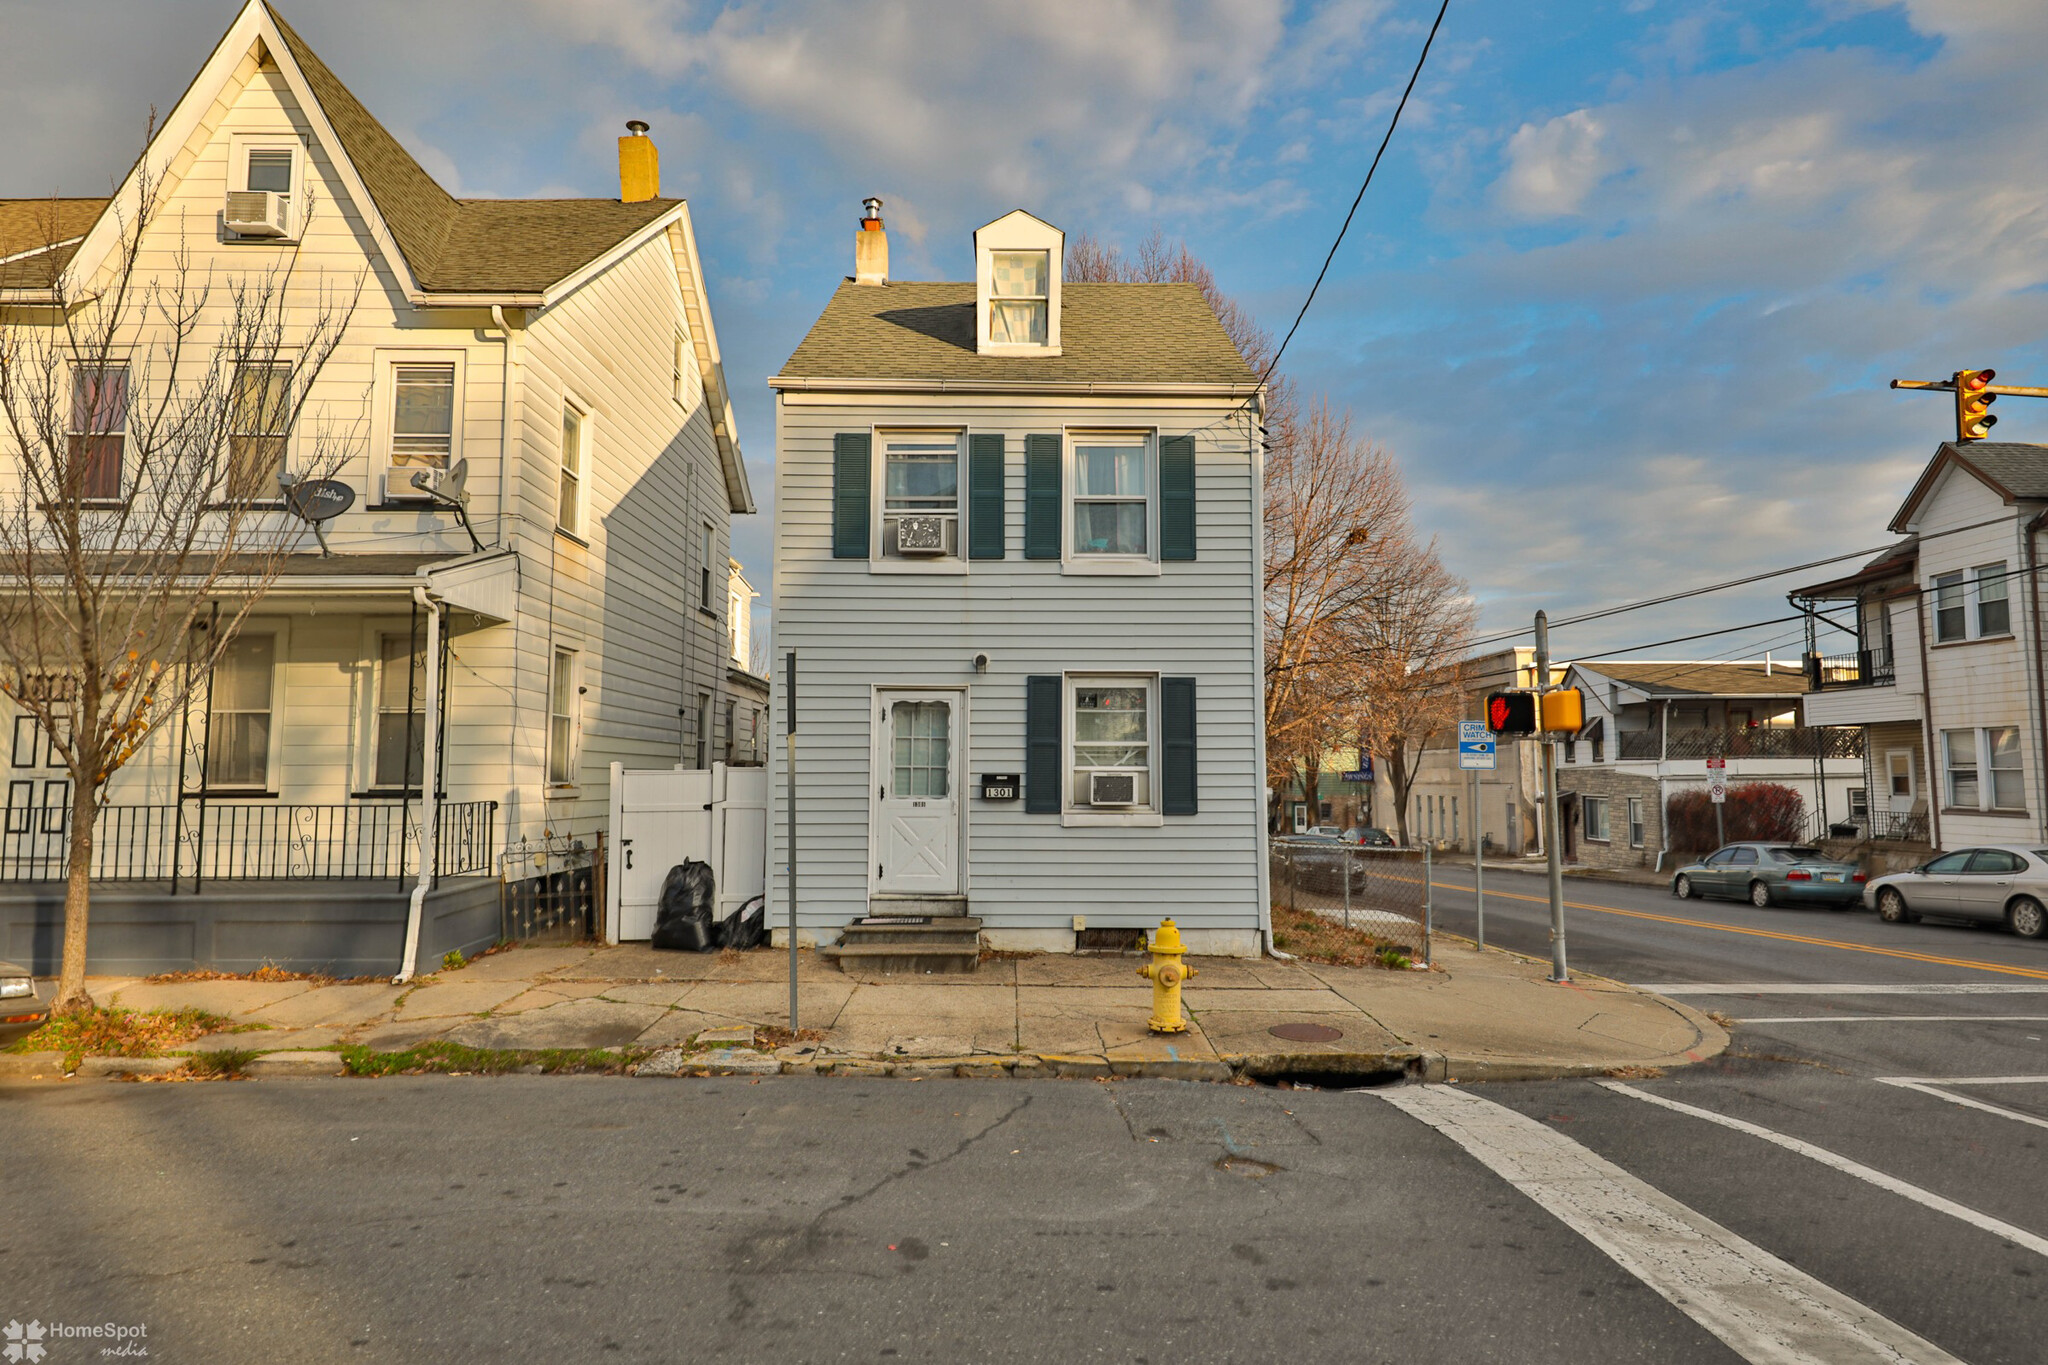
1041, 497
1177, 762
850, 484
1042, 745
985, 496
1177, 498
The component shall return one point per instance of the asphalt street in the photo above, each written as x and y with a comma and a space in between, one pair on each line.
1844, 1184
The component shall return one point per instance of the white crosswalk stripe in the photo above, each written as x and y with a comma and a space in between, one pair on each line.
1764, 1309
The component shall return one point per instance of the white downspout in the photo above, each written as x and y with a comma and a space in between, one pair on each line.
504, 420
429, 764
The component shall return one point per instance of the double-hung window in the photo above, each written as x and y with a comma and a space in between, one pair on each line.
98, 431
562, 716
1595, 818
569, 492
238, 725
920, 495
1951, 612
1113, 753
1984, 768
422, 434
1019, 297
259, 416
1994, 606
1635, 822
401, 726
710, 547
1113, 497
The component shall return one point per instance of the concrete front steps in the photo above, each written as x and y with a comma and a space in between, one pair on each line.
910, 935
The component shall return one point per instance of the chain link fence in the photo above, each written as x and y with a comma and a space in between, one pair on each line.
1382, 891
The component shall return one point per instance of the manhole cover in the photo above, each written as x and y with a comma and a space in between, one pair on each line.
1306, 1033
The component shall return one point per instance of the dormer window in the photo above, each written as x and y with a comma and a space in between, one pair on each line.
264, 187
1017, 264
1019, 297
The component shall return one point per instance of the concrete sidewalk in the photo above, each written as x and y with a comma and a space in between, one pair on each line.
1476, 1016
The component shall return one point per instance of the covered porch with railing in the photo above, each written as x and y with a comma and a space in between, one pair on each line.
1754, 741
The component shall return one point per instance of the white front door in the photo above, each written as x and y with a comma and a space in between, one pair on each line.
916, 841
1898, 768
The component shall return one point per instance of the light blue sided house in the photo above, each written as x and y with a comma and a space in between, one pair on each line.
1017, 555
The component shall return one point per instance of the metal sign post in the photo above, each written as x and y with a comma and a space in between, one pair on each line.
1717, 792
789, 713
1477, 754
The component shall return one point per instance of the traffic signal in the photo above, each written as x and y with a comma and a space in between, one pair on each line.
1512, 713
1973, 404
1564, 711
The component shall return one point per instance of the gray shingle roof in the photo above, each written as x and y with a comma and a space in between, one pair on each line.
1679, 679
2021, 469
465, 246
1110, 333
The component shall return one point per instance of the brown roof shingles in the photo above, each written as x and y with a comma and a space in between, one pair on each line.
1679, 679
1110, 333
44, 233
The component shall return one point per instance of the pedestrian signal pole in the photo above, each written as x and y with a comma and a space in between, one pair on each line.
1553, 849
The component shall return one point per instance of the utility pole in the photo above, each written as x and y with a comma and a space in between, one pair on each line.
1553, 849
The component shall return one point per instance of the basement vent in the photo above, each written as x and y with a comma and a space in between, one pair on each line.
1109, 941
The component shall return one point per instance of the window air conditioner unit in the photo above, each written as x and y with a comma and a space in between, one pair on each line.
921, 535
1112, 789
257, 213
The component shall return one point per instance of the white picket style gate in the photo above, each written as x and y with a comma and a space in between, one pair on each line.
663, 816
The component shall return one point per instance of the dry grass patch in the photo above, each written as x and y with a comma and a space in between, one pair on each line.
1316, 938
774, 1036
269, 971
124, 1033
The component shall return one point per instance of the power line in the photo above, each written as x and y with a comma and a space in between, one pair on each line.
1731, 583
1392, 123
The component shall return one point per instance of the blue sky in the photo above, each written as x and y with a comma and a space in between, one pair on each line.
1623, 300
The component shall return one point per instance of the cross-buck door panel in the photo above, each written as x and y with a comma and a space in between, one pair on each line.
916, 834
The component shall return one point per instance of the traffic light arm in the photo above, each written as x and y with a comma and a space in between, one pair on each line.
1948, 385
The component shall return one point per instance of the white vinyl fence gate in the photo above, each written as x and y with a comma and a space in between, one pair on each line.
662, 816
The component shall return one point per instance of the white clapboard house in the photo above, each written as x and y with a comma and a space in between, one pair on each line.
560, 353
1017, 550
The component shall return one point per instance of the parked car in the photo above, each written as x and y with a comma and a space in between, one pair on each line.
1369, 837
22, 1010
1771, 874
1320, 862
2000, 884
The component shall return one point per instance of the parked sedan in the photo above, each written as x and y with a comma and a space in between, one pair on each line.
22, 1011
1369, 837
2003, 884
1771, 874
1321, 862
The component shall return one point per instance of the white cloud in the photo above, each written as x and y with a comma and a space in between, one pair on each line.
1553, 166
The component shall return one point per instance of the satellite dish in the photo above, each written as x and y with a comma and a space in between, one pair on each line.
447, 487
318, 500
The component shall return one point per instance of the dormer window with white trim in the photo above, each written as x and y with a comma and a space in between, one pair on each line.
1019, 297
1018, 262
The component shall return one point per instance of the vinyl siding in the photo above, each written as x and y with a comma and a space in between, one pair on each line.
627, 599
1976, 683
855, 630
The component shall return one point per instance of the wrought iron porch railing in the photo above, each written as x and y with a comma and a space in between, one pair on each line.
1759, 741
1863, 668
251, 841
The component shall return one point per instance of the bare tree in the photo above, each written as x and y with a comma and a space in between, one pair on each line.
1361, 617
145, 412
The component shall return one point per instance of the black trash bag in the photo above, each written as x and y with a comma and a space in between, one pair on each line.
745, 927
683, 921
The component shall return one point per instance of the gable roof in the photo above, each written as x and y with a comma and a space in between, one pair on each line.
2014, 470
449, 246
1127, 334
1660, 678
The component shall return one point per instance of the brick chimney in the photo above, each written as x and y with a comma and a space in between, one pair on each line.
871, 245
639, 165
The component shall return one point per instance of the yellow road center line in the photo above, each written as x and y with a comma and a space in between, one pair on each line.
2031, 973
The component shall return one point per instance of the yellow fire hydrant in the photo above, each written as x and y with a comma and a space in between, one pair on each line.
1167, 971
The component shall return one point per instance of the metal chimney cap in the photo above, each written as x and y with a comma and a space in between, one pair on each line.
637, 127
872, 207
